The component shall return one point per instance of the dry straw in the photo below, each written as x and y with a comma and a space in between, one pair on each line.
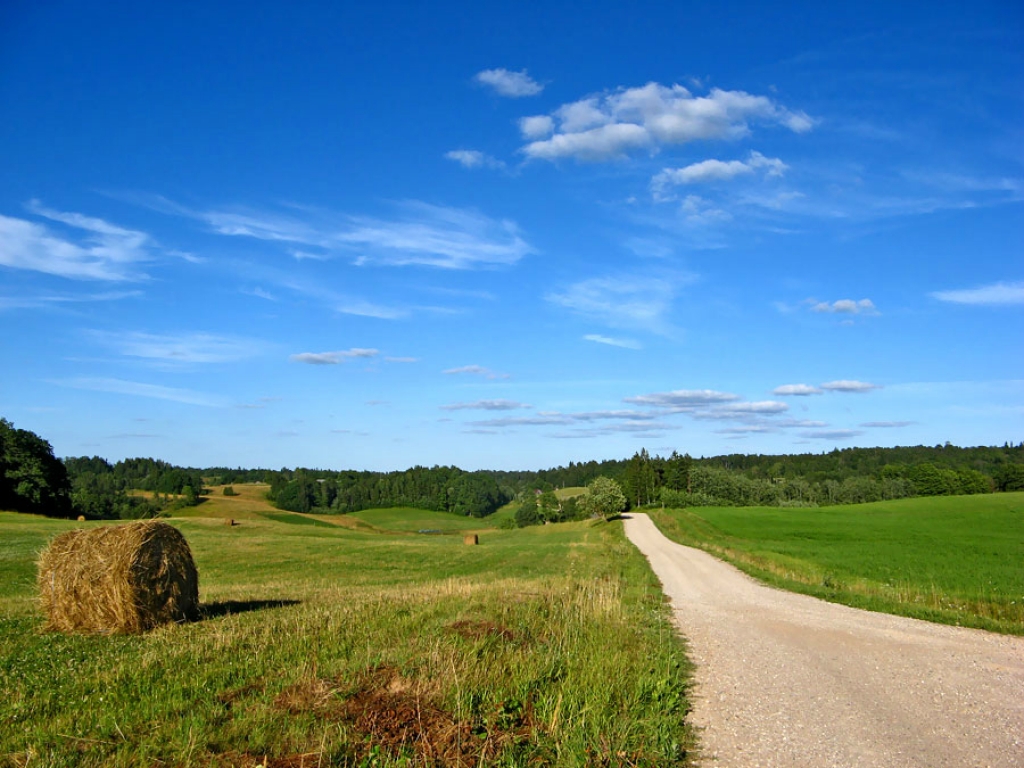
123, 579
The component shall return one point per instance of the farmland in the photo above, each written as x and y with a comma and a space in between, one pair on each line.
324, 644
956, 560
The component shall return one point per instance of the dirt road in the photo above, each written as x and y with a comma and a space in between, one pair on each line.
787, 680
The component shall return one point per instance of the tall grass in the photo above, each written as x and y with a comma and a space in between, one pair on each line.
956, 560
544, 646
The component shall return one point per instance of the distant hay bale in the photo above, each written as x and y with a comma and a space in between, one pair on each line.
471, 539
81, 518
123, 579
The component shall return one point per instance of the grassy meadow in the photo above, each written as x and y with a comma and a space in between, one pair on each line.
323, 644
955, 560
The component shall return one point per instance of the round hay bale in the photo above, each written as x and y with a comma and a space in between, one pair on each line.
123, 579
470, 539
81, 518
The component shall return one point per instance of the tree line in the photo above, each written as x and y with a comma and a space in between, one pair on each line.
32, 479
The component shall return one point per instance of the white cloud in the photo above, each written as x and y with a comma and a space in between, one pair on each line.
434, 236
623, 301
477, 370
612, 342
616, 123
333, 358
536, 126
139, 389
184, 349
486, 405
56, 300
849, 386
683, 399
401, 359
420, 234
93, 250
833, 434
997, 294
715, 170
796, 390
473, 158
887, 424
511, 84
846, 307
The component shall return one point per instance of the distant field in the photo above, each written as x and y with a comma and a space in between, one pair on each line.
417, 520
958, 560
323, 645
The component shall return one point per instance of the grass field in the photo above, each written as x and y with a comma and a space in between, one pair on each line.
325, 645
956, 560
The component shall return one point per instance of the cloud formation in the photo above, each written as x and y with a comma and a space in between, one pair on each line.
683, 399
849, 386
140, 389
473, 158
514, 85
476, 370
845, 307
183, 349
333, 358
796, 390
708, 171
624, 301
997, 294
486, 405
612, 342
614, 124
86, 248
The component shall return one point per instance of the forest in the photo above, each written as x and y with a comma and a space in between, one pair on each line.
32, 479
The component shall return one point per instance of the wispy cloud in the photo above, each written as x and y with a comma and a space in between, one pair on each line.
887, 424
832, 434
640, 302
850, 386
996, 294
683, 399
612, 342
476, 370
617, 123
333, 358
86, 248
420, 234
474, 158
708, 171
140, 389
57, 300
183, 349
486, 405
796, 390
514, 85
844, 307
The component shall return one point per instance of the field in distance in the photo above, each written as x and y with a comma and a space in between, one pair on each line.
321, 644
955, 560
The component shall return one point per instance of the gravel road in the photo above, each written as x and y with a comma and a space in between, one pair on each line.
787, 680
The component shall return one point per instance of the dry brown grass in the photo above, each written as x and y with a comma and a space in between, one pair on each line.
118, 579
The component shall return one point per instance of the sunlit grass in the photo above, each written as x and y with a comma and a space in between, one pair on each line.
957, 560
551, 645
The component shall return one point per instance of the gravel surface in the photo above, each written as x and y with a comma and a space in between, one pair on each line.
788, 680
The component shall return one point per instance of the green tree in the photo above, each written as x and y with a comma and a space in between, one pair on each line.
604, 498
32, 479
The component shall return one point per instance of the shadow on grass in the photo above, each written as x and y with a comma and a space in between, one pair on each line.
228, 607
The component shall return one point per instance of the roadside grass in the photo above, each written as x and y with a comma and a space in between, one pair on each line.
322, 645
954, 560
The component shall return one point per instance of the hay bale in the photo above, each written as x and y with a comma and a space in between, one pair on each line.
81, 518
123, 579
471, 539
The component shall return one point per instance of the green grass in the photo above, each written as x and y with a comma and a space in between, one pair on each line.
544, 646
412, 520
956, 560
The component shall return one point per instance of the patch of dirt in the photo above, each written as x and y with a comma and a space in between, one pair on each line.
480, 630
391, 715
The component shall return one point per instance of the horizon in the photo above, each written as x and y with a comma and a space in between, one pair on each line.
383, 237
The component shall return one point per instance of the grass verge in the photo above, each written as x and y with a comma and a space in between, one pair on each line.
953, 560
322, 645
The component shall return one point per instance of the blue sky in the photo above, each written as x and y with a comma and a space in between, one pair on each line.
378, 235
